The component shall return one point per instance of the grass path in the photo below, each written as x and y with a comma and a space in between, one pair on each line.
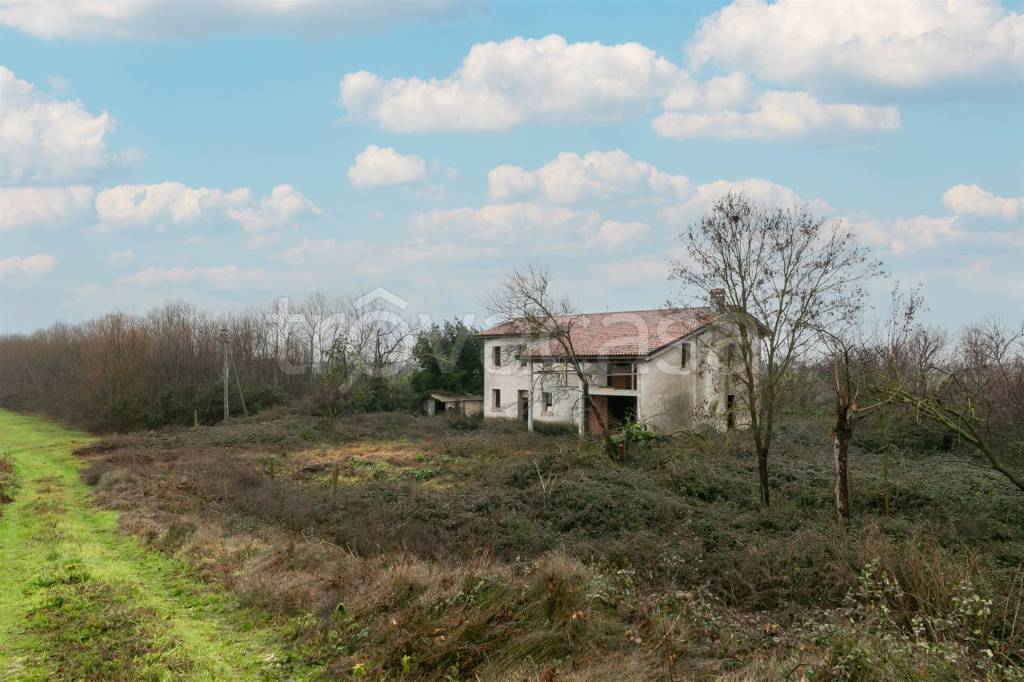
79, 600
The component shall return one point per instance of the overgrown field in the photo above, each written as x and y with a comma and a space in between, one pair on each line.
403, 547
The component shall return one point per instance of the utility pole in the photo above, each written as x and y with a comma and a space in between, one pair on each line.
227, 369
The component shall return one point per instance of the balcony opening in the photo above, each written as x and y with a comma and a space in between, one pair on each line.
621, 375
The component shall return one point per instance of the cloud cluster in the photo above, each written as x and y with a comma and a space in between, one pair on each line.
32, 266
887, 44
161, 19
613, 234
162, 204
759, 190
903, 235
571, 178
505, 223
385, 167
223, 277
973, 200
43, 138
778, 114
22, 207
282, 207
503, 84
552, 207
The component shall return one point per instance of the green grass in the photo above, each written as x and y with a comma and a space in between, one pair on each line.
78, 600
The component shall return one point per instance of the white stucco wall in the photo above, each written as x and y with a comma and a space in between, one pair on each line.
512, 377
669, 392
669, 397
509, 378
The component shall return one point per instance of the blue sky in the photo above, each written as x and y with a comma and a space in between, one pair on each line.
269, 149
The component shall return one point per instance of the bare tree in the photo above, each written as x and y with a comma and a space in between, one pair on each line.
860, 364
977, 395
787, 269
525, 298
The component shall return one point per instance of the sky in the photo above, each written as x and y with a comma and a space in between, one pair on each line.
230, 154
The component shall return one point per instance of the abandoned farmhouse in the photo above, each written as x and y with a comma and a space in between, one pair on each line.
670, 368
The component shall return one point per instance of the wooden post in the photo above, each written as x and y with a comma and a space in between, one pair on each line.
529, 407
227, 371
238, 383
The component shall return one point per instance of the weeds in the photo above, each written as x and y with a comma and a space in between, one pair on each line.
8, 481
431, 551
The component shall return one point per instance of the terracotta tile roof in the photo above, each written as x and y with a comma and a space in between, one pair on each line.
634, 333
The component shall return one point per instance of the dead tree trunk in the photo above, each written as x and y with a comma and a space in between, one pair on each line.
842, 432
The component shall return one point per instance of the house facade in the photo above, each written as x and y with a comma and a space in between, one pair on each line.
671, 369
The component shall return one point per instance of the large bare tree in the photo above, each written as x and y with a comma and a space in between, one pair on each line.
790, 270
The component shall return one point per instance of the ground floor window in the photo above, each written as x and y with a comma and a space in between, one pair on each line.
495, 398
549, 401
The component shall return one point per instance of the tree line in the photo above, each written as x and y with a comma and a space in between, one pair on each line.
324, 355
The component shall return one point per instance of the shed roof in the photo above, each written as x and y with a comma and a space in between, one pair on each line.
453, 398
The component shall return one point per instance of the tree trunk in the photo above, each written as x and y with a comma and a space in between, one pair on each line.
840, 449
762, 474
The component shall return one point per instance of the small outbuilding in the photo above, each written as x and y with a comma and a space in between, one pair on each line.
441, 403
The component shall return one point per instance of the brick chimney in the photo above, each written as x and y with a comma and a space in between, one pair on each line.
717, 300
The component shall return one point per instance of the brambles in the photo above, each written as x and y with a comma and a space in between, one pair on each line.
7, 481
519, 545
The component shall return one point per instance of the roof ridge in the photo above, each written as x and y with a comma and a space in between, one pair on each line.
640, 310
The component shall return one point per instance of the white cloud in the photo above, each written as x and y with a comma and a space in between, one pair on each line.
631, 272
501, 85
161, 204
371, 258
892, 44
721, 92
32, 266
123, 256
613, 234
571, 178
903, 235
43, 138
161, 19
225, 277
506, 223
778, 114
42, 206
756, 189
385, 167
282, 207
973, 200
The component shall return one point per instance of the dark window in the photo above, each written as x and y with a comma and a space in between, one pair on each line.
730, 412
549, 400
495, 397
496, 356
685, 356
